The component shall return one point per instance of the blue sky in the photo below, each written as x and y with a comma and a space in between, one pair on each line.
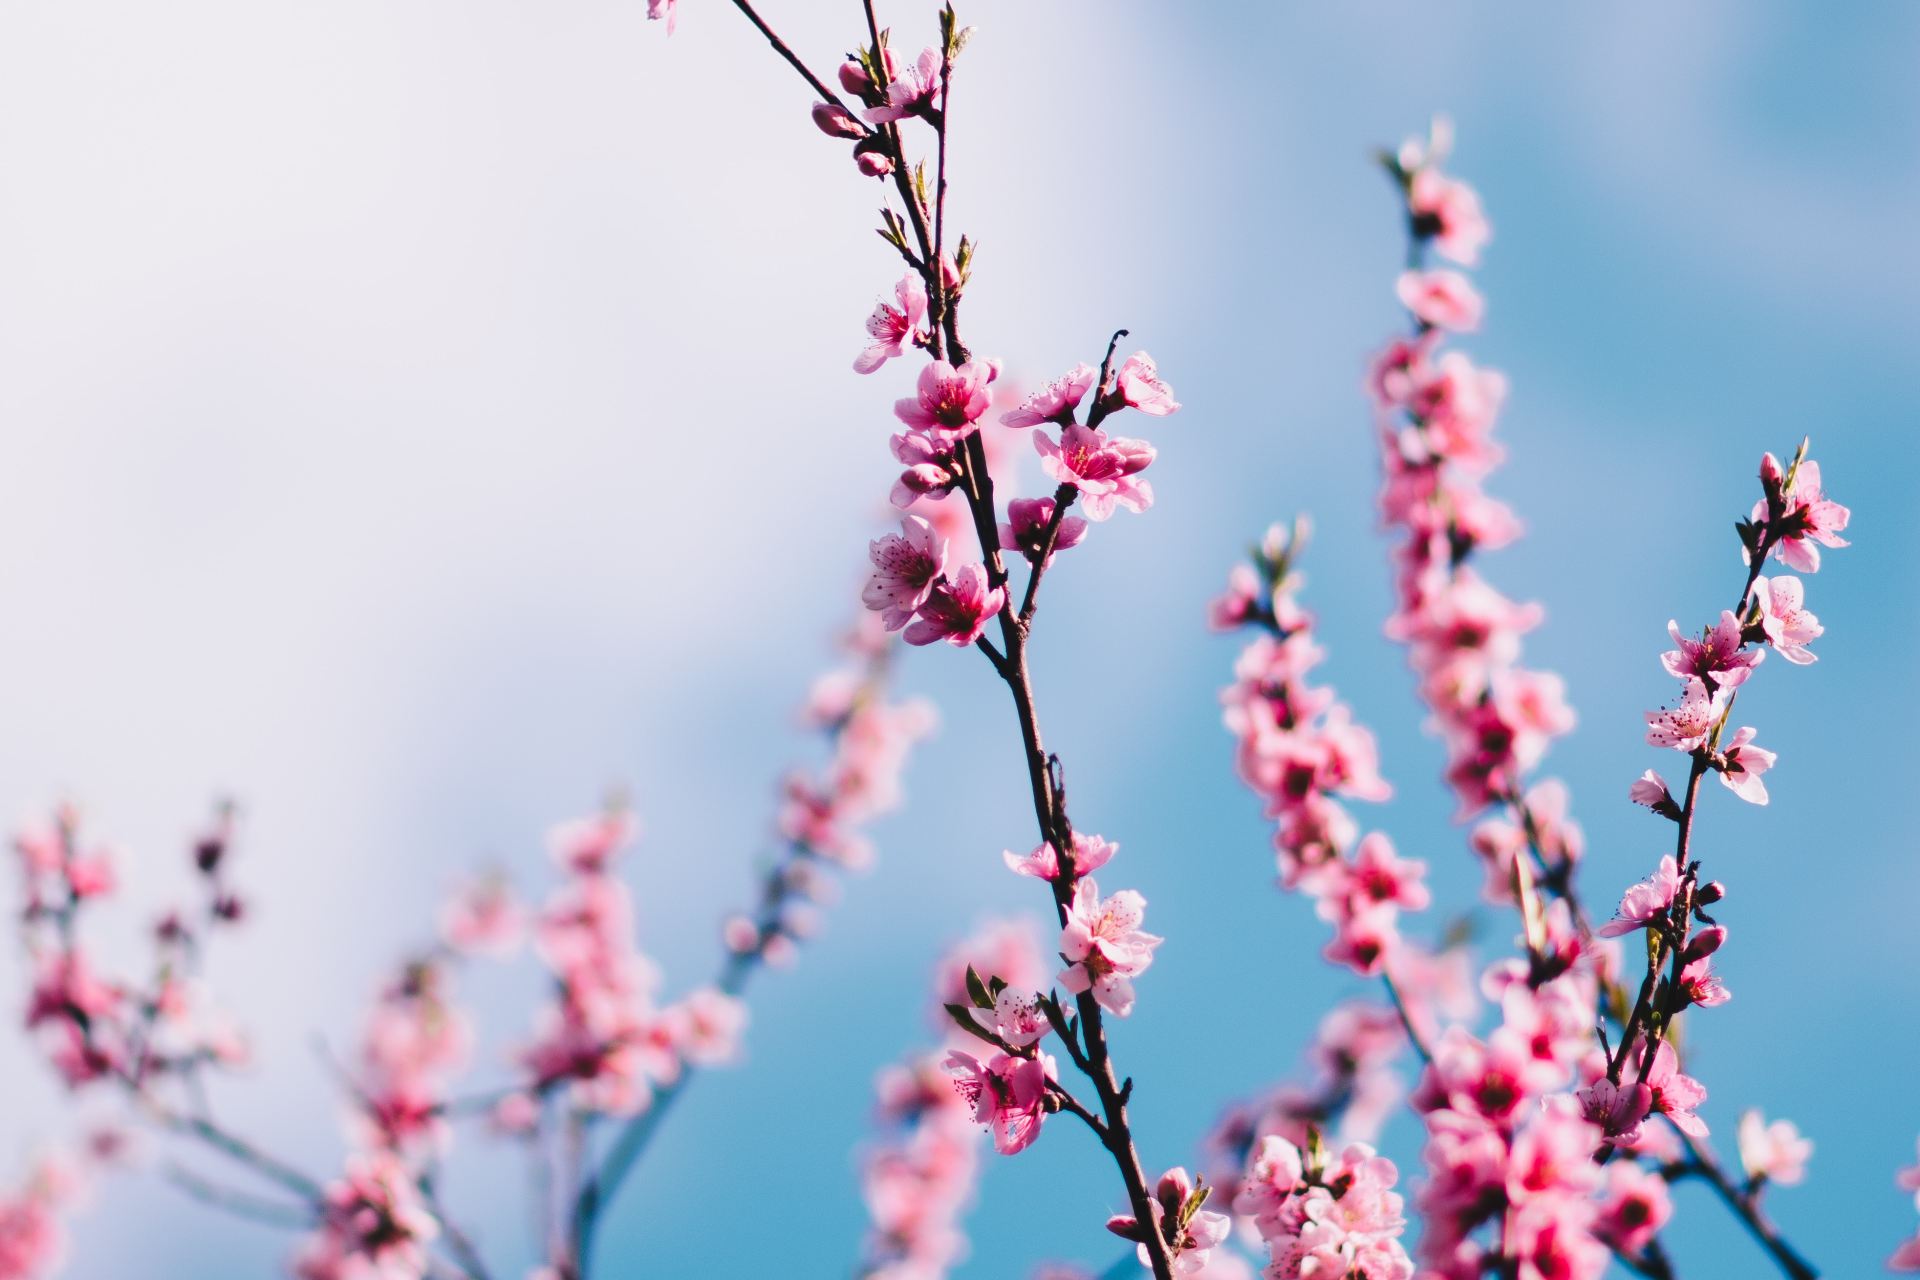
422, 417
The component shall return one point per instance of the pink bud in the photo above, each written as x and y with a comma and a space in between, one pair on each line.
854, 77
836, 121
1704, 944
875, 164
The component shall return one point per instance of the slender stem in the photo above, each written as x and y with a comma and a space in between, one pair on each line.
793, 59
1748, 1211
239, 1203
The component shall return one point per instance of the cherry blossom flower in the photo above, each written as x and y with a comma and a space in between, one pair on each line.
895, 326
1189, 1232
1634, 1205
1104, 469
1650, 789
1675, 1094
930, 469
1687, 724
1617, 1108
1784, 619
1645, 902
905, 567
376, 1226
1017, 1018
1809, 520
1447, 211
1441, 298
958, 609
911, 92
1105, 947
667, 9
1055, 402
1026, 527
1138, 386
948, 402
1741, 765
1717, 658
1090, 853
1006, 1093
1772, 1152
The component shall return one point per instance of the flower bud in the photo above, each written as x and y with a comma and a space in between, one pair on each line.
836, 121
870, 155
854, 77
1709, 893
1703, 944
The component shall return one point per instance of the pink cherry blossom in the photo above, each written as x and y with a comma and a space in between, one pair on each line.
1617, 1108
1017, 1018
1687, 724
895, 326
668, 9
1190, 1233
1774, 1152
1138, 386
1809, 519
930, 469
483, 918
1743, 763
1104, 469
958, 609
1054, 402
1675, 1094
1105, 947
1027, 520
1717, 658
1441, 298
1784, 618
1650, 789
1448, 211
911, 91
906, 565
948, 402
1090, 853
1634, 1205
1645, 902
1006, 1093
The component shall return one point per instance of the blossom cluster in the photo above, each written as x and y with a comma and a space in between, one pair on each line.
96, 1029
918, 1178
823, 814
1299, 748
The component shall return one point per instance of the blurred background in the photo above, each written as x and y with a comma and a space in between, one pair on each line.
422, 416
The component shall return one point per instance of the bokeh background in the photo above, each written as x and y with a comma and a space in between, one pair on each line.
421, 416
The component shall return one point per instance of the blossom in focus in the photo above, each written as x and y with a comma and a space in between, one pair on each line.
1687, 724
1743, 763
1646, 901
1054, 402
895, 326
1139, 386
905, 567
1105, 947
1809, 519
911, 91
1188, 1231
947, 403
958, 609
1090, 853
1026, 527
1716, 658
1006, 1093
1784, 619
1105, 469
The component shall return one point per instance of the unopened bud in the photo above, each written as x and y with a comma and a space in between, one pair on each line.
870, 155
854, 77
1710, 893
836, 121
